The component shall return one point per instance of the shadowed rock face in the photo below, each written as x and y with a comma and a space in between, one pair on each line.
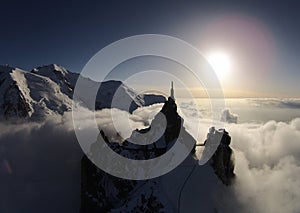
14, 103
222, 161
102, 192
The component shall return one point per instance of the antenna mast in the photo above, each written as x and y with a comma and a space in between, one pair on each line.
172, 91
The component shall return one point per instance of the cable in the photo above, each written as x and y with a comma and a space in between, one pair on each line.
184, 183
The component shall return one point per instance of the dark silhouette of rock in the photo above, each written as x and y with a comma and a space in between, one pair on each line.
102, 192
222, 161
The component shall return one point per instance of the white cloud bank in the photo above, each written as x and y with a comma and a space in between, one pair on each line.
293, 103
267, 167
39, 164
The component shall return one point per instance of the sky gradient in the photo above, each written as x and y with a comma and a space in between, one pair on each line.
261, 37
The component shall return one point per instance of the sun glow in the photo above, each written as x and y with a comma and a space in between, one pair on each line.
221, 63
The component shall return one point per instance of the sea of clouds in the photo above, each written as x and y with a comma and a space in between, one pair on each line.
40, 161
267, 166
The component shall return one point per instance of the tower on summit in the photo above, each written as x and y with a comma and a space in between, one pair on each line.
172, 91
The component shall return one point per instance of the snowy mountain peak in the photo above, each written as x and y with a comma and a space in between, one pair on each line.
47, 69
6, 68
9, 70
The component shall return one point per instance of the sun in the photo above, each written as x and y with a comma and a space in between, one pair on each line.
221, 63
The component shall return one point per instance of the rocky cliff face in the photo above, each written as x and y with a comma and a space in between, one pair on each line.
222, 160
13, 101
172, 192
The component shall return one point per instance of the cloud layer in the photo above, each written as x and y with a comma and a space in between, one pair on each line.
39, 162
267, 166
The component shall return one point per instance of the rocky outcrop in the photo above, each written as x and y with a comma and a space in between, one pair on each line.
222, 160
13, 101
102, 192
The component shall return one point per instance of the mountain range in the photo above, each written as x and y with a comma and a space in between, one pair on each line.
49, 90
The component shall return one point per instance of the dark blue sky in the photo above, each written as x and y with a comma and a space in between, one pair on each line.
68, 33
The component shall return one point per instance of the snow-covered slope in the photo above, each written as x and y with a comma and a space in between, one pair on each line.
14, 93
24, 94
49, 89
61, 76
